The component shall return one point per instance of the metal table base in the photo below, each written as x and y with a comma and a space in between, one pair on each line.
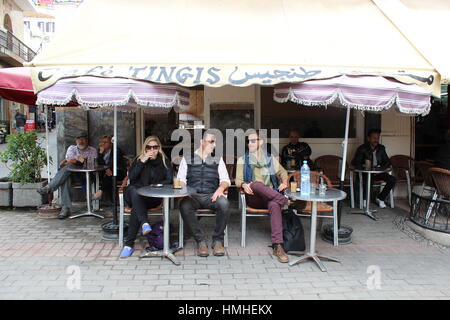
89, 213
366, 211
312, 245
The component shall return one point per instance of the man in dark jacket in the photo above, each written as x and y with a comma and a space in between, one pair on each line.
209, 177
20, 121
443, 154
106, 158
295, 152
375, 152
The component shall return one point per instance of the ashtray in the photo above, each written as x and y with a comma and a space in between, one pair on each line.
158, 185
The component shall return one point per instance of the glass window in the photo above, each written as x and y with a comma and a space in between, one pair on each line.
50, 27
41, 26
311, 122
27, 24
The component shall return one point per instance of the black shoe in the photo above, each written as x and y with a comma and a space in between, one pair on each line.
44, 190
65, 212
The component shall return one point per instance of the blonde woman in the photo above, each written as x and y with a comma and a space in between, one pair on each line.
150, 167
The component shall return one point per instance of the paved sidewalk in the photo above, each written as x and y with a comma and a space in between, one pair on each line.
42, 259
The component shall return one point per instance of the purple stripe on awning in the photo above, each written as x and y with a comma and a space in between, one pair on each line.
371, 93
127, 94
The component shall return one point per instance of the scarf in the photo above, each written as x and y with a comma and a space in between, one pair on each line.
266, 167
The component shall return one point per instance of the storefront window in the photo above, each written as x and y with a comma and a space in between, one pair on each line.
311, 122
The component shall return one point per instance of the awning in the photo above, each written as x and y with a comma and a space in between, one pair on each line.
239, 43
126, 94
15, 85
367, 93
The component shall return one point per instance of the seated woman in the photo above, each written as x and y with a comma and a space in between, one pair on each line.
150, 167
256, 174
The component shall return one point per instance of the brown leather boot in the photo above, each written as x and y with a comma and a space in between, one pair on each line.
278, 252
218, 249
202, 249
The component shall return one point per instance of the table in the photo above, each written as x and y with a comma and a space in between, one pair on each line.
88, 170
366, 211
166, 192
330, 195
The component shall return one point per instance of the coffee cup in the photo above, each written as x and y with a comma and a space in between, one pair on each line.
293, 186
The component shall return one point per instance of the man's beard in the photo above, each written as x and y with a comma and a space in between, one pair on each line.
81, 146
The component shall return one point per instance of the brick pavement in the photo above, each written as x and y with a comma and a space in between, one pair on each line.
40, 258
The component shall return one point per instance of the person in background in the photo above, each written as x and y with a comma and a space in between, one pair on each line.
294, 153
106, 158
258, 174
150, 167
76, 155
375, 152
20, 122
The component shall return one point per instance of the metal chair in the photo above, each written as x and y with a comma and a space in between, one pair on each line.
247, 211
324, 210
202, 213
401, 165
331, 165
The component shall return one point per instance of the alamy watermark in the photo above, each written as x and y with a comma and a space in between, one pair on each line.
374, 280
74, 280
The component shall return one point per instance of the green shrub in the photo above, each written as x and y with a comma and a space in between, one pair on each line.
27, 157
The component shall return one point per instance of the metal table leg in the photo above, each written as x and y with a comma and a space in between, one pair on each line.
89, 213
312, 244
166, 252
366, 211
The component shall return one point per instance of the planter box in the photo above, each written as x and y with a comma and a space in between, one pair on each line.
6, 194
26, 195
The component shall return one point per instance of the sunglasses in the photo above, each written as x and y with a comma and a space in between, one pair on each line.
252, 140
211, 141
151, 148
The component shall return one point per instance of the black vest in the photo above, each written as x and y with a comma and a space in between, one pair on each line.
203, 176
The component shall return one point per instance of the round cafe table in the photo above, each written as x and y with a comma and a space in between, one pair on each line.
366, 210
165, 192
87, 171
333, 195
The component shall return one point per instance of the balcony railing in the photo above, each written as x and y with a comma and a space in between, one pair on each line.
13, 44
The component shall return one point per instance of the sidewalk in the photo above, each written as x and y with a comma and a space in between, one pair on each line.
44, 259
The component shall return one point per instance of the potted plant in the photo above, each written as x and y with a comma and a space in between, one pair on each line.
25, 159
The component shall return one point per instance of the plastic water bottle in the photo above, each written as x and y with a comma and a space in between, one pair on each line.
305, 179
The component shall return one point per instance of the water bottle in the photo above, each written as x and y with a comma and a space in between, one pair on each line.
305, 179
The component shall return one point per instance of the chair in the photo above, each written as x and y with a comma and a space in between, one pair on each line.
331, 165
441, 179
202, 213
305, 207
125, 211
422, 175
247, 211
401, 165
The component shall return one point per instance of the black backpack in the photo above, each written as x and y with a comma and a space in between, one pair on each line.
293, 233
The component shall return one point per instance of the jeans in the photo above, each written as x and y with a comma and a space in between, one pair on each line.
63, 180
139, 206
188, 207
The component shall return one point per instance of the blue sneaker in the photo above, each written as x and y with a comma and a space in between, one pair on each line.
126, 252
146, 229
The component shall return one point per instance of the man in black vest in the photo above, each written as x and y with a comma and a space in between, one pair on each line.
209, 177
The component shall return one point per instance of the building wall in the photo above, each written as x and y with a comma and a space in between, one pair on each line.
16, 15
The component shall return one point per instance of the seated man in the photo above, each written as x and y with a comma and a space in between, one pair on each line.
375, 152
257, 174
75, 156
106, 157
209, 177
293, 154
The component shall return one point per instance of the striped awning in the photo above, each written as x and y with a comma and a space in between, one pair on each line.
126, 94
367, 93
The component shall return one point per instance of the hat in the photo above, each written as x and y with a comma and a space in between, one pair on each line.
82, 135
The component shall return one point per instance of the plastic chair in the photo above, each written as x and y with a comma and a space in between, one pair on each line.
401, 165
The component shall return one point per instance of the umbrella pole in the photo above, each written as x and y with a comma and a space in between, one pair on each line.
47, 151
111, 228
344, 232
115, 221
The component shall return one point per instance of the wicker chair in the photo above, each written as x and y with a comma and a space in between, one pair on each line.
330, 164
441, 179
324, 210
401, 166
